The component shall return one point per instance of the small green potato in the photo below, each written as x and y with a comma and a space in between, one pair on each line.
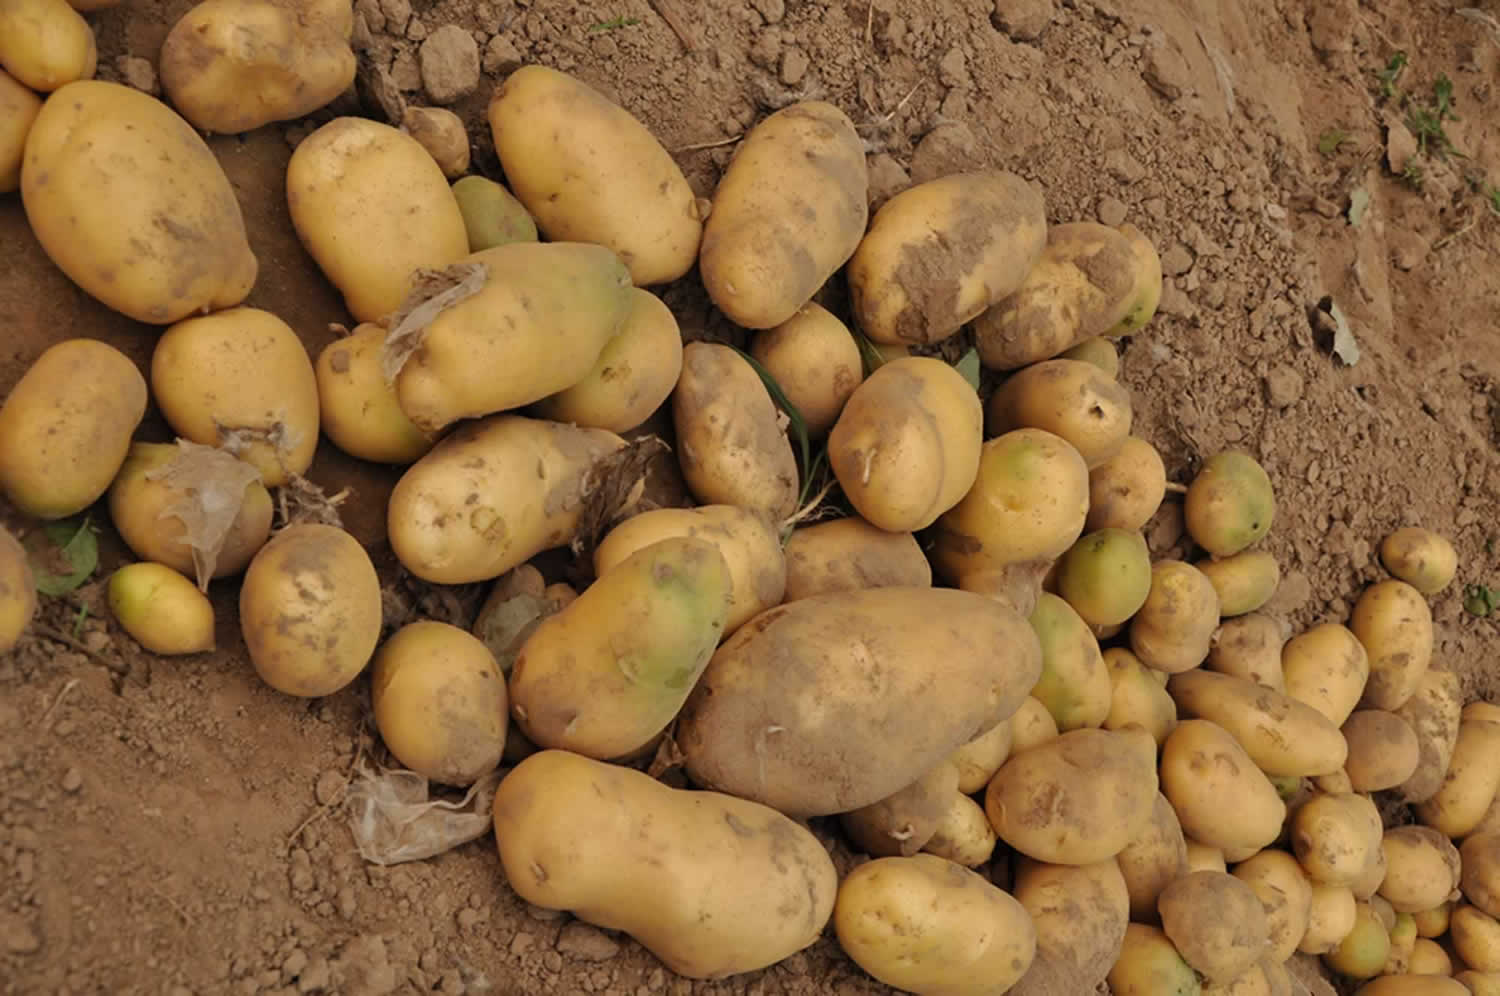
902, 823
1229, 505
1433, 922
1106, 576
849, 554
45, 44
1173, 630
1383, 750
1327, 667
1149, 965
443, 135
1146, 289
492, 215
1137, 697
1074, 685
1394, 623
161, 609
358, 408
1216, 922
1245, 581
816, 362
1126, 490
1403, 940
18, 601
18, 109
1422, 558
1336, 836
1250, 647
1363, 951
1070, 398
1099, 351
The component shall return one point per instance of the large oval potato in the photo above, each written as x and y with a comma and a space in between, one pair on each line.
1281, 735
1327, 667
45, 44
1475, 936
1153, 859
1070, 398
1434, 713
816, 362
849, 554
902, 823
1080, 913
1075, 685
590, 171
710, 884
801, 690
1422, 868
1285, 893
1217, 923
18, 109
1206, 774
1174, 629
1394, 623
105, 164
357, 407
789, 210
18, 601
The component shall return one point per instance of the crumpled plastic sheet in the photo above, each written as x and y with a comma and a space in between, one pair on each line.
394, 820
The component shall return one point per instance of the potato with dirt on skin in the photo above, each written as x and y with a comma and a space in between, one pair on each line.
1362, 953
1106, 576
1434, 713
161, 609
1230, 505
964, 835
1126, 490
46, 44
1072, 399
1475, 936
1422, 868
1080, 913
1394, 623
358, 408
749, 886
1099, 351
1216, 921
977, 761
1030, 726
1206, 774
1155, 858
65, 427
492, 215
1150, 965
1285, 893
1137, 697
1331, 915
1249, 647
928, 925
18, 600
18, 109
814, 359
443, 135
1422, 558
1244, 581
902, 823
1173, 630
849, 554
1383, 750
1335, 836
1281, 735
1326, 667
1074, 685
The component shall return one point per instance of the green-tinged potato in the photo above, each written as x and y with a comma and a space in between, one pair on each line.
849, 554
788, 212
1244, 581
1080, 913
802, 689
1475, 936
1149, 965
1383, 750
45, 44
816, 362
1434, 713
18, 109
1136, 697
1479, 859
1230, 505
491, 495
1362, 953
1336, 836
492, 215
1250, 647
104, 165
1201, 857
906, 447
1205, 773
1326, 667
444, 136
1174, 629
1394, 623
712, 885
1281, 735
977, 761
730, 441
1126, 490
1077, 799
941, 252
1422, 558
1106, 576
240, 379
902, 823
1082, 285
964, 834
231, 66
1156, 857
1403, 940
439, 702
517, 603
1429, 958
928, 925
1031, 725
1025, 509
358, 408
1285, 892
197, 509
634, 375
1097, 350
310, 610
1416, 984
1217, 923
65, 427
607, 673
1074, 685
18, 599
1070, 398
161, 609
1479, 983
1422, 868
1433, 922
1146, 293
1331, 916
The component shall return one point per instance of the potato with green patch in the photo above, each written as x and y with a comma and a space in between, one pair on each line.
161, 609
492, 215
1137, 696
358, 408
1074, 685
1069, 398
1394, 623
1173, 630
1145, 295
1363, 951
1245, 581
1282, 736
1422, 558
1099, 351
1106, 576
1150, 965
1126, 490
18, 599
814, 359
1229, 506
850, 554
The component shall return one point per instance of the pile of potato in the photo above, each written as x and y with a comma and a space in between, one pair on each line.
1068, 764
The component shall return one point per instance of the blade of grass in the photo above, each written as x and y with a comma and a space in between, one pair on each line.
968, 365
873, 361
794, 417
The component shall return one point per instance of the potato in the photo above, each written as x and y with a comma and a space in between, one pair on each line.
1149, 965
1433, 922
1097, 350
1075, 685
358, 408
1250, 647
1026, 508
104, 165
1490, 820
1336, 836
801, 689
1394, 623
977, 761
1069, 398
444, 136
1206, 774
941, 252
816, 362
1475, 935
1479, 709
1266, 977
310, 610
1327, 668
1281, 735
1362, 953
1082, 286
197, 509
1331, 916
1480, 871
1382, 909
730, 442
1413, 984
1285, 892
1202, 857
1422, 558
1077, 799
1429, 958
45, 44
964, 835
1403, 940
1126, 490
902, 823
440, 702
1433, 713
1479, 983
1174, 629
1031, 725
1216, 922
517, 603
65, 427
18, 600
1147, 284
1153, 859
849, 554
1245, 581
161, 609
633, 376
928, 925
749, 887
492, 215
1383, 750
1080, 913
1229, 506
906, 447
18, 109
231, 66
1136, 696
1422, 868
1106, 576
1367, 887
530, 478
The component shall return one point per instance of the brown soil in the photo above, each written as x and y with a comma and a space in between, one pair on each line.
173, 826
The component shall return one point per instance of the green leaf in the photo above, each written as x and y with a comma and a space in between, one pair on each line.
867, 351
968, 365
1480, 600
798, 426
72, 559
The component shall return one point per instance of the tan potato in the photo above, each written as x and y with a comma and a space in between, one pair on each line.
1422, 869
1216, 922
444, 136
1490, 820
45, 44
1478, 983
1336, 837
1137, 697
977, 761
65, 427
1080, 913
1174, 629
1150, 965
1429, 958
1281, 735
1205, 774
816, 362
1126, 490
1363, 951
1201, 857
849, 554
1230, 505
1333, 782
1481, 710
1383, 750
18, 597
1414, 984
1327, 668
18, 109
1433, 712
1155, 858
1475, 935
1479, 861
1031, 725
1394, 623
964, 835
1069, 398
1106, 576
1286, 894
1382, 908
1332, 914
1244, 581
1422, 558
941, 252
1433, 922
1250, 647
1099, 351
903, 822
161, 610
1075, 685
1366, 888
492, 215
358, 408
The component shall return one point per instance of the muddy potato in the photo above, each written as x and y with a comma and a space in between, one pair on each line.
104, 164
1266, 977
1366, 888
1394, 623
1327, 668
1099, 351
310, 610
816, 362
1383, 750
964, 835
1074, 685
1244, 581
1069, 398
1126, 490
358, 408
1137, 697
1422, 558
1250, 647
46, 44
1080, 913
1362, 953
1331, 915
161, 609
18, 109
1479, 859
1229, 505
443, 135
902, 823
1155, 858
1475, 936
1031, 725
906, 447
1281, 735
231, 66
65, 427
18, 597
1433, 712
749, 886
1174, 629
1149, 965
1106, 576
1216, 922
1206, 774
1422, 868
849, 554
1336, 836
977, 761
492, 215
240, 379
1429, 958
1285, 892
1145, 295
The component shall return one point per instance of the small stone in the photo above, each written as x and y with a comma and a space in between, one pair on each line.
1175, 302
1024, 20
580, 940
1124, 167
522, 943
468, 918
417, 31
1111, 211
887, 179
1400, 144
771, 10
794, 63
292, 967
329, 785
139, 73
501, 57
948, 148
1291, 594
72, 780
17, 936
1176, 261
315, 977
364, 967
1408, 249
370, 10
405, 74
1330, 25
449, 61
397, 13
766, 49
1284, 386
953, 68
1167, 71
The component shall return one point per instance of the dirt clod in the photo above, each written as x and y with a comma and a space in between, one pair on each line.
450, 64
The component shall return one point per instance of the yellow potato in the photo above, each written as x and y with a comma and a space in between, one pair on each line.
1478, 983
1075, 685
849, 554
1422, 558
1366, 888
1281, 735
941, 252
1216, 922
231, 66
1230, 505
18, 109
1146, 295
353, 187
1383, 750
1097, 350
1413, 984
816, 362
1403, 940
1250, 647
1433, 922
903, 822
1330, 917
1491, 819
1326, 667
1433, 713
1206, 774
1429, 958
748, 886
964, 835
18, 601
1422, 869
1154, 859
104, 165
161, 609
242, 380
1126, 490
45, 44
1475, 935
1285, 893
1479, 860
1149, 965
444, 136
1336, 836
1394, 623
1031, 725
1363, 951
492, 215
1244, 581
1106, 576
977, 761
1137, 697
1080, 913
1069, 398
1174, 629
358, 408
65, 427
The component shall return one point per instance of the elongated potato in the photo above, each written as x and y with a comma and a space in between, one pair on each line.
1281, 735
977, 761
1326, 667
1070, 398
1250, 647
750, 887
815, 360
1080, 913
492, 215
849, 554
1394, 623
18, 109
1216, 921
1335, 837
1433, 712
1479, 859
1422, 558
1244, 581
1075, 685
1174, 629
1383, 750
1156, 857
902, 823
1146, 295
1206, 773
1285, 892
18, 599
358, 408
45, 44
1422, 868
1126, 490
1411, 984
1136, 696
161, 609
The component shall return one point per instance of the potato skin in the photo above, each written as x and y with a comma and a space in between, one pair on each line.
1071, 398
1149, 965
1080, 913
1330, 918
1393, 621
1283, 736
1153, 859
1326, 667
358, 410
18, 599
1335, 836
1230, 504
815, 360
95, 184
1422, 868
1245, 581
1206, 773
1137, 696
1285, 893
749, 887
1250, 646
45, 44
1383, 750
18, 109
1074, 685
589, 171
1433, 712
841, 687
1173, 631
849, 554
1422, 558
964, 834
161, 609
1106, 576
788, 212
1126, 490
1475, 936
902, 823
977, 761
1479, 858
492, 215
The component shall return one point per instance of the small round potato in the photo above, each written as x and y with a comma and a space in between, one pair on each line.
1229, 505
1326, 667
492, 215
1174, 629
977, 761
1422, 868
1363, 951
18, 600
1429, 958
1336, 836
1413, 983
1126, 490
1149, 965
964, 834
443, 135
1106, 576
45, 44
1250, 647
161, 609
1285, 892
1383, 750
1099, 351
1245, 581
1154, 859
901, 824
1070, 398
849, 554
358, 409
1330, 917
1205, 773
1422, 558
1074, 685
1394, 623
1137, 696
18, 109
1433, 922
816, 362
1216, 922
